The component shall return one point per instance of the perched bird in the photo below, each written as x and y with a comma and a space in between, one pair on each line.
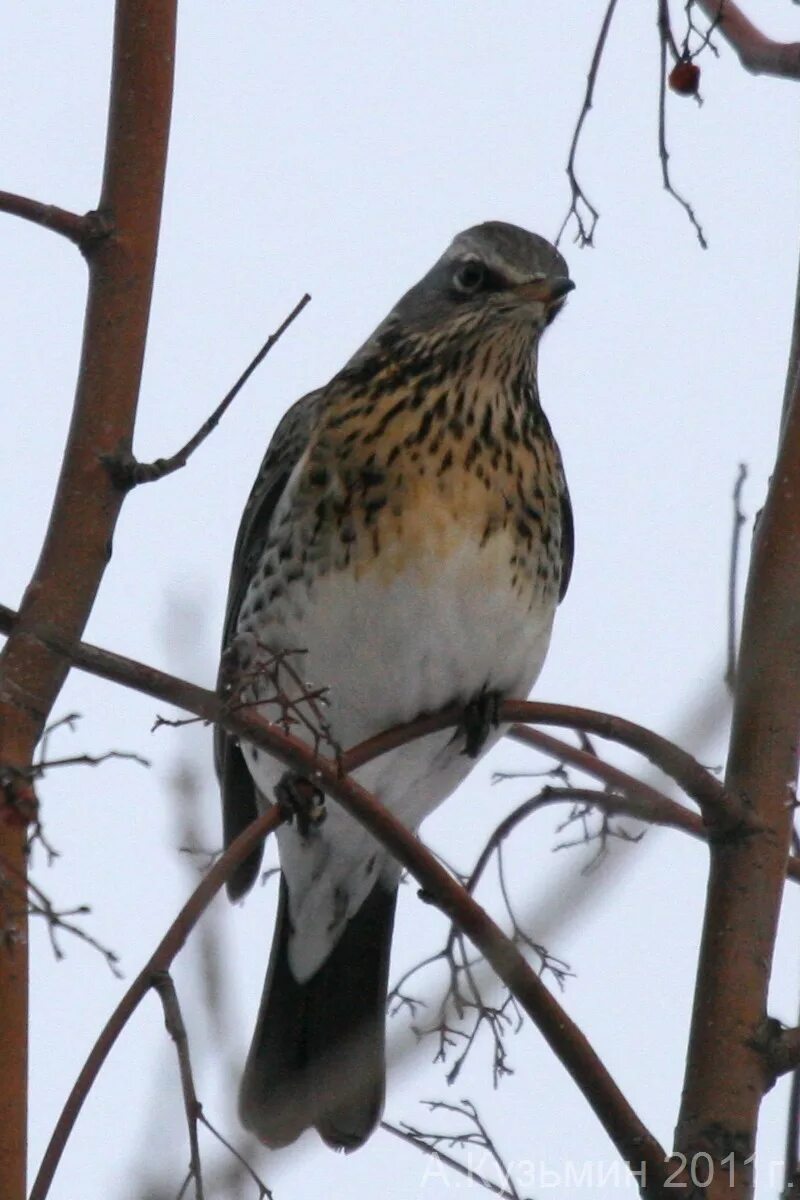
405, 545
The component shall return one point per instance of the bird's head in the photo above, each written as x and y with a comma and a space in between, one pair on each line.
492, 274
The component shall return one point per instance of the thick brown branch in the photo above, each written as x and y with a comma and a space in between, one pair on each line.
82, 230
85, 508
725, 1072
757, 53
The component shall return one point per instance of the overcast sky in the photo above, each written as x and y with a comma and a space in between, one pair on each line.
336, 148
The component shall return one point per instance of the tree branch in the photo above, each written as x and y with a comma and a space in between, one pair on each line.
722, 813
579, 200
667, 44
128, 472
758, 54
173, 1019
643, 802
632, 1139
86, 505
82, 230
726, 1074
414, 1138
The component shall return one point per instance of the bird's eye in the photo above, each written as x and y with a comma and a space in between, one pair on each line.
470, 277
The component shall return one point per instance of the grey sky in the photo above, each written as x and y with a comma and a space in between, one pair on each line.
337, 148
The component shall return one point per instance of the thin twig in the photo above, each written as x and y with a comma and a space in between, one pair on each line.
665, 36
733, 576
264, 1192
703, 36
413, 1138
39, 904
128, 472
88, 760
176, 1028
586, 224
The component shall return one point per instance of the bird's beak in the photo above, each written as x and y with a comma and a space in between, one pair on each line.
546, 291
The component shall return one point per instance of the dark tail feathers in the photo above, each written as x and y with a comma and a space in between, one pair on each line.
317, 1057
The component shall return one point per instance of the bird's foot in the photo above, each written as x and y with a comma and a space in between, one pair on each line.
300, 800
481, 716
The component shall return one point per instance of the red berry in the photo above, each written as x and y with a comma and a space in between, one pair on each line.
684, 78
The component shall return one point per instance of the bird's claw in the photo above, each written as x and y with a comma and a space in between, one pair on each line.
481, 715
302, 801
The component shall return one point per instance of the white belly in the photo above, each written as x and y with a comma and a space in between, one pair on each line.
440, 630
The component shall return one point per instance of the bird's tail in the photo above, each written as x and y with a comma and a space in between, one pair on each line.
317, 1056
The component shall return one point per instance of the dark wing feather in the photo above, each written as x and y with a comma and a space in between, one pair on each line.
239, 805
567, 539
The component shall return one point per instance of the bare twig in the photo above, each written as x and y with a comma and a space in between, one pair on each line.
667, 43
14, 883
628, 795
406, 1133
581, 208
733, 575
477, 1136
586, 803
264, 1192
703, 36
70, 721
176, 1028
82, 230
88, 760
758, 53
127, 472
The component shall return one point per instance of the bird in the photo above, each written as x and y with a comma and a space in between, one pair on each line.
405, 546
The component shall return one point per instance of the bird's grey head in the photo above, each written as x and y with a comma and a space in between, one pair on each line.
489, 273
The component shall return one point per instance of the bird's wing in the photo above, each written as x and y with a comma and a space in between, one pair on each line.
239, 805
567, 537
